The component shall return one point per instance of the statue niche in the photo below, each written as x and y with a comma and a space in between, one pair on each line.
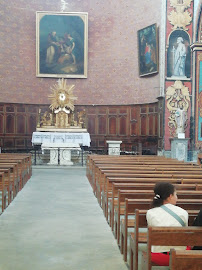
61, 114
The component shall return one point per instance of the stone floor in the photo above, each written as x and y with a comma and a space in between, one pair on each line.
55, 223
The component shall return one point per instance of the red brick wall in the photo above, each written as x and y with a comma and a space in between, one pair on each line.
112, 59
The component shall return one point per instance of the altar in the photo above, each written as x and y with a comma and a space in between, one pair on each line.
61, 129
60, 145
82, 139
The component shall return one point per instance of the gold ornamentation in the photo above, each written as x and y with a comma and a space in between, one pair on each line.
61, 113
180, 18
62, 96
81, 118
177, 97
180, 5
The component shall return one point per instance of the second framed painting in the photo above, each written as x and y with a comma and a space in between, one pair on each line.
148, 50
61, 44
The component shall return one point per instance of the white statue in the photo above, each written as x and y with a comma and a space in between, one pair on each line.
179, 58
180, 119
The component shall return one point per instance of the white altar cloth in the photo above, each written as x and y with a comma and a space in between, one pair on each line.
63, 137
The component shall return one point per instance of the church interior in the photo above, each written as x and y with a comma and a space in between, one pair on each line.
100, 101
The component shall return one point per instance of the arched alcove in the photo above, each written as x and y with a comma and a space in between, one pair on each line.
179, 55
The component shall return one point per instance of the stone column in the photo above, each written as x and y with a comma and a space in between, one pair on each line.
53, 156
65, 156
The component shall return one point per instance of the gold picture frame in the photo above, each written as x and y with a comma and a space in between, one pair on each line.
61, 44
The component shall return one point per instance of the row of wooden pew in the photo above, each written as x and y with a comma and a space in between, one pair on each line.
124, 186
15, 171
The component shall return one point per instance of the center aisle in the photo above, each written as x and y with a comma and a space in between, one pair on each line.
56, 223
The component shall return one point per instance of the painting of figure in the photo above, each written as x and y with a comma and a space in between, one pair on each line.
148, 50
179, 55
61, 44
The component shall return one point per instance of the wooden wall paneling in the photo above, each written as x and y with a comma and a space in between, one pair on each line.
20, 124
143, 125
20, 142
33, 108
102, 110
135, 121
144, 120
112, 110
156, 124
112, 125
10, 109
1, 142
1, 123
131, 124
160, 116
93, 141
20, 108
102, 125
91, 124
122, 125
8, 142
133, 129
10, 123
31, 120
124, 121
101, 143
92, 109
151, 124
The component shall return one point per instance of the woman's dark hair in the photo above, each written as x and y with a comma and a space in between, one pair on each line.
162, 191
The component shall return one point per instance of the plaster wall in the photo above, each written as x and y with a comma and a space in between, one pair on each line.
112, 51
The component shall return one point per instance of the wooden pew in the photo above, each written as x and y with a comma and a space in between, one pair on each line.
93, 160
153, 165
136, 186
137, 237
185, 178
199, 187
121, 164
126, 223
20, 166
24, 162
187, 259
143, 204
3, 190
15, 173
21, 169
15, 177
170, 236
8, 184
199, 159
110, 181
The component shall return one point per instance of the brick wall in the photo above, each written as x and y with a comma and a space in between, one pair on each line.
112, 51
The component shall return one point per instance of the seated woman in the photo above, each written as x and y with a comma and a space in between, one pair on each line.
198, 222
164, 212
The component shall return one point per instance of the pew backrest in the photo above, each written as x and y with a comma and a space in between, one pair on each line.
187, 259
172, 236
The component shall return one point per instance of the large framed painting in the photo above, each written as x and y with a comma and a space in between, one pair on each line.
148, 50
61, 44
